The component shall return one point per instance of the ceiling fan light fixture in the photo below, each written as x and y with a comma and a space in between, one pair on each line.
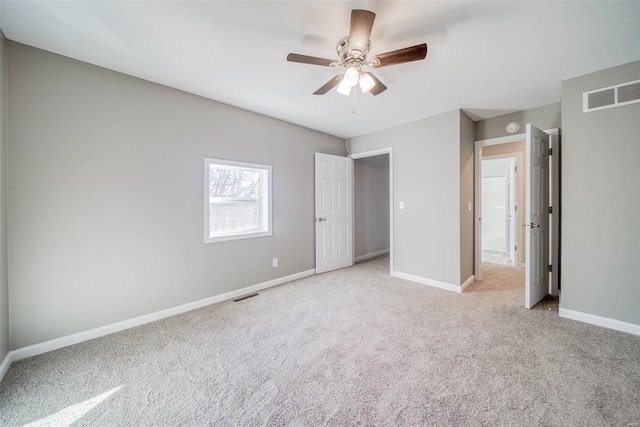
352, 52
350, 77
344, 88
366, 83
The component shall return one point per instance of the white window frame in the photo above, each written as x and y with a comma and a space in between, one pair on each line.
265, 201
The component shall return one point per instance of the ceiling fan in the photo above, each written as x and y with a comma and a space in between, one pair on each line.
352, 51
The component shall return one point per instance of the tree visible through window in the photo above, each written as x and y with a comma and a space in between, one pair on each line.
237, 197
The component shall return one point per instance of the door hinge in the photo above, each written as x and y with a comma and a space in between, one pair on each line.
550, 268
515, 169
515, 208
550, 151
515, 248
550, 209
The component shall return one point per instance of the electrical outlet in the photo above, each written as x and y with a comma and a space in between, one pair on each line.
469, 205
401, 205
275, 262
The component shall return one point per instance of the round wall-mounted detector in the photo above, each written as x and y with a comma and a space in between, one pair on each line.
513, 127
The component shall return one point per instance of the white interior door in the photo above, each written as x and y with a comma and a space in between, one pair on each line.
334, 212
537, 216
554, 232
512, 218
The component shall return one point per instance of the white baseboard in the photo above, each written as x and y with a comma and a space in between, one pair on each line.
6, 362
600, 321
425, 281
79, 337
467, 283
371, 255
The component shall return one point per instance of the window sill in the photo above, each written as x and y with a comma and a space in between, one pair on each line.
238, 236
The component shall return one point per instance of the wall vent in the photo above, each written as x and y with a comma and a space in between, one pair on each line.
244, 297
613, 96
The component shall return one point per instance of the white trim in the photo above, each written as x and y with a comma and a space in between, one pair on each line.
501, 140
605, 322
513, 155
371, 153
378, 152
391, 206
79, 337
425, 281
467, 282
6, 363
509, 138
266, 205
371, 255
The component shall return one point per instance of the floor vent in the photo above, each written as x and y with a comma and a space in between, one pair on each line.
243, 297
614, 96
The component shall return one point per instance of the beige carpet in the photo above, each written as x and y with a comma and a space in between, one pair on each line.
500, 278
351, 347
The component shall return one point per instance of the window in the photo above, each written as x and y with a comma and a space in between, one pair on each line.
237, 198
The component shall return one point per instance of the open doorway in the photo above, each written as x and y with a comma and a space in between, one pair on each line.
373, 201
502, 201
500, 209
515, 148
536, 198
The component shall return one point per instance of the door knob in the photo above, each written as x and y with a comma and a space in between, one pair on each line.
321, 219
532, 225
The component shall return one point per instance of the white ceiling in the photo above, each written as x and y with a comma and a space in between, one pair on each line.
488, 58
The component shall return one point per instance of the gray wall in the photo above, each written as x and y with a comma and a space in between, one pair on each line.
601, 200
466, 196
426, 156
105, 196
545, 117
4, 283
371, 204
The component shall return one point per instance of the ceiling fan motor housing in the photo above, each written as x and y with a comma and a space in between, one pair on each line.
345, 53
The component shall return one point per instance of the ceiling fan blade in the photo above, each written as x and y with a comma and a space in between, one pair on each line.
329, 85
304, 59
378, 88
408, 54
361, 24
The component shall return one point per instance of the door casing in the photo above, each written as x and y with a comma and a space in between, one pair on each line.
512, 205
